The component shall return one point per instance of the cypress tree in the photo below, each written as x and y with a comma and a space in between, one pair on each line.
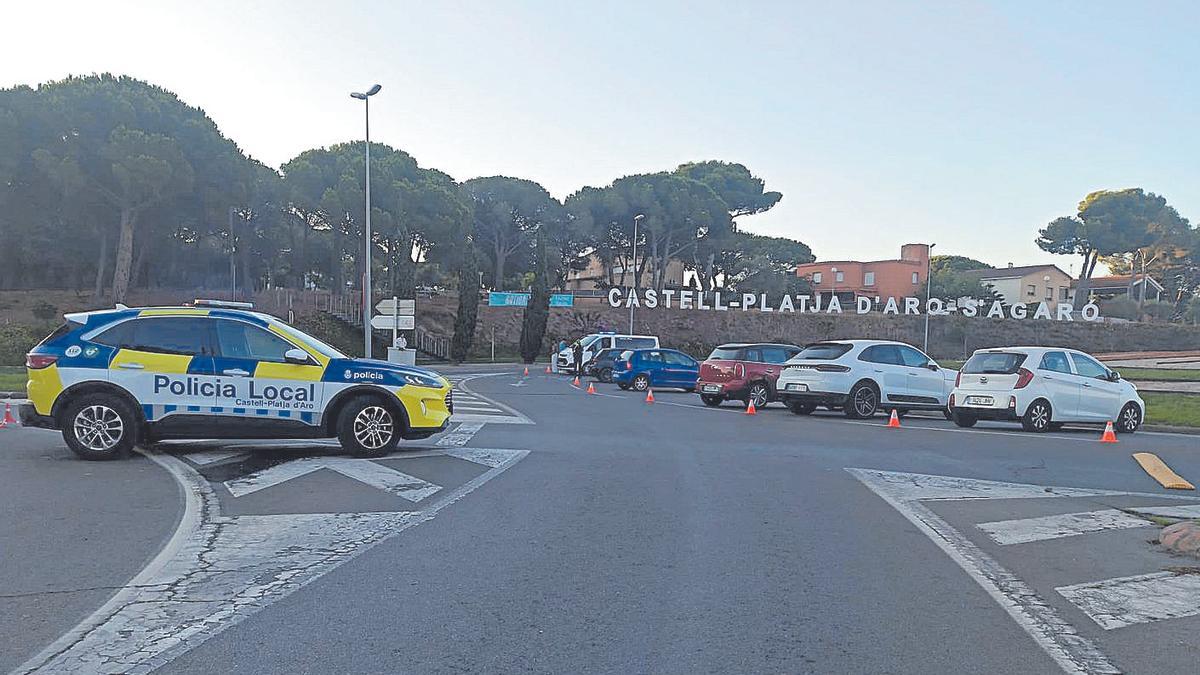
533, 328
468, 305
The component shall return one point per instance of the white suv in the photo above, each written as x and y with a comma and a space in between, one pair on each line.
861, 377
1043, 387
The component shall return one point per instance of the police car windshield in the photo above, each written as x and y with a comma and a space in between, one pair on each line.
311, 341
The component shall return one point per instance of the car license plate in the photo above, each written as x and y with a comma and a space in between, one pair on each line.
711, 388
979, 400
792, 386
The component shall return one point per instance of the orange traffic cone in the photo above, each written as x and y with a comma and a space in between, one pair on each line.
591, 389
649, 396
526, 371
576, 382
547, 370
750, 409
1109, 436
894, 420
8, 416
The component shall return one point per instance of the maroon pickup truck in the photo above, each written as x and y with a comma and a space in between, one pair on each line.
743, 372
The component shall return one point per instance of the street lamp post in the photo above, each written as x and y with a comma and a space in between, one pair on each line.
928, 294
366, 308
636, 219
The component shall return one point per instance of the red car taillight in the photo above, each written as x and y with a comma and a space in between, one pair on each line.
739, 371
958, 379
832, 368
951, 403
629, 365
39, 361
1024, 377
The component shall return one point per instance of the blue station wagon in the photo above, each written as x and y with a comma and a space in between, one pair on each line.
640, 369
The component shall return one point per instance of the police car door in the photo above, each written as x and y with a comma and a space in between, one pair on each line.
165, 362
258, 379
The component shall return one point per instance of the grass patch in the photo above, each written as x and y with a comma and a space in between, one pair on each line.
12, 378
950, 363
1171, 374
1181, 410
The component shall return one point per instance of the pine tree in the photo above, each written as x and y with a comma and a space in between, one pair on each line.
533, 328
468, 306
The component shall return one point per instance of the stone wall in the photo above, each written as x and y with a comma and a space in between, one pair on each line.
697, 332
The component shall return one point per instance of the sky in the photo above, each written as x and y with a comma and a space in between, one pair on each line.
967, 124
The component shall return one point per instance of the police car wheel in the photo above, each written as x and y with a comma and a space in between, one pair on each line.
368, 428
99, 427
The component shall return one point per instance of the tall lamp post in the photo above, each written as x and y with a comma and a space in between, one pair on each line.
636, 220
366, 308
928, 294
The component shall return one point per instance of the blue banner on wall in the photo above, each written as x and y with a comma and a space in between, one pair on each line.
505, 299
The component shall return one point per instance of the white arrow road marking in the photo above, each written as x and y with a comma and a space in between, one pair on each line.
1025, 530
1125, 601
906, 491
363, 470
218, 570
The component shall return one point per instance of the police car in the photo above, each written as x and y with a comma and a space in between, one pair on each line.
113, 378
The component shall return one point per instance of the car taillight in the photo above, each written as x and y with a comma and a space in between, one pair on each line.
951, 403
39, 361
958, 379
1024, 377
739, 371
629, 365
832, 368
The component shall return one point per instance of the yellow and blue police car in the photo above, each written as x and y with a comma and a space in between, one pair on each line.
114, 378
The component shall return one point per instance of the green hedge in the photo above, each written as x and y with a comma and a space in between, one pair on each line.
17, 339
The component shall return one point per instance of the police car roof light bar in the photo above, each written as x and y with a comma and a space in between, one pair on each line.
228, 304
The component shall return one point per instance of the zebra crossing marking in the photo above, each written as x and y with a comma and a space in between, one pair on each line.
1144, 598
1025, 530
906, 493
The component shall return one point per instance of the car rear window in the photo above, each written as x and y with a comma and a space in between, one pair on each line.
59, 332
826, 351
636, 343
726, 354
993, 363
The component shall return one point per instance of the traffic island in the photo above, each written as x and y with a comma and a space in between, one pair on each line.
1182, 538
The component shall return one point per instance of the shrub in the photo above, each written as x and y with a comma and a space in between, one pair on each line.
16, 339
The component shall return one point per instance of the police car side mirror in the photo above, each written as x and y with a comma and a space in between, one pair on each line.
295, 356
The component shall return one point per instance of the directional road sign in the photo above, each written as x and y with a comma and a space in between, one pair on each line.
390, 322
394, 306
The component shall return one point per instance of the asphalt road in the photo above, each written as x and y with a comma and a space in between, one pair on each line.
569, 532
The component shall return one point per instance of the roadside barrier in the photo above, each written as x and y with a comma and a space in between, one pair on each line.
894, 420
750, 409
1109, 436
649, 396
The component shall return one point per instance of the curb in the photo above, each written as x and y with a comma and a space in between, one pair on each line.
1168, 429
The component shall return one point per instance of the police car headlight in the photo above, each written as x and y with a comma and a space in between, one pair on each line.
423, 381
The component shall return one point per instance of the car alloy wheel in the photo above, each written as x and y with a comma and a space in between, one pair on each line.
864, 401
373, 427
98, 428
759, 395
1037, 417
1130, 419
641, 383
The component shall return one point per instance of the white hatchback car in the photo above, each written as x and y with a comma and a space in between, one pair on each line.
862, 377
1043, 388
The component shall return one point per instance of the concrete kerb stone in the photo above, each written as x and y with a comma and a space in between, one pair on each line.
1182, 538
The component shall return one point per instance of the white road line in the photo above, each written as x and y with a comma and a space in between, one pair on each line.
1025, 530
363, 470
207, 457
1192, 511
461, 434
1071, 651
216, 571
1126, 601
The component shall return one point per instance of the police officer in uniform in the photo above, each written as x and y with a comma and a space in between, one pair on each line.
577, 352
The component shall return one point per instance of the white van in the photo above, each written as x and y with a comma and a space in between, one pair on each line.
592, 344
